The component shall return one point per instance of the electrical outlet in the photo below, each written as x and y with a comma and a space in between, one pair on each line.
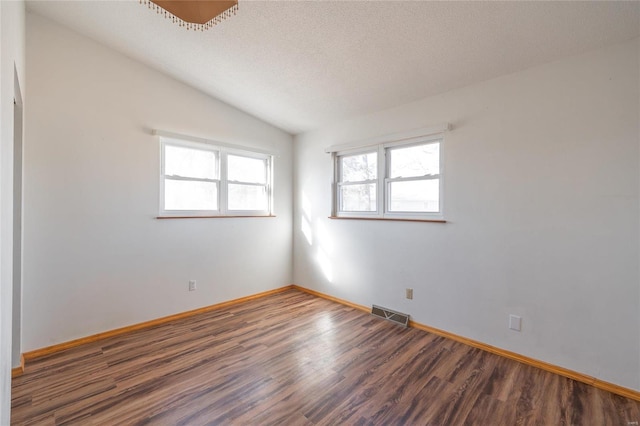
192, 285
409, 293
515, 322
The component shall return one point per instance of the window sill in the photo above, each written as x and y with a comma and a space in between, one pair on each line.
209, 217
389, 219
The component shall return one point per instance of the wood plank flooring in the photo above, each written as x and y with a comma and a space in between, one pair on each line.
295, 359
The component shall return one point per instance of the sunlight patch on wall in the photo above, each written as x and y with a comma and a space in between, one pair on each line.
306, 206
323, 238
305, 219
325, 264
305, 227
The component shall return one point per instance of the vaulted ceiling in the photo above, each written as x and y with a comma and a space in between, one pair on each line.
302, 64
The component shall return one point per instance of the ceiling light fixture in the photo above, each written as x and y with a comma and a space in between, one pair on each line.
194, 14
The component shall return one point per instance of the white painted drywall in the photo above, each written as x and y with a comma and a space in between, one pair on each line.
95, 257
16, 324
11, 65
541, 198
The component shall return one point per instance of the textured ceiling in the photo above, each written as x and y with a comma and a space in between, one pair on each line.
302, 64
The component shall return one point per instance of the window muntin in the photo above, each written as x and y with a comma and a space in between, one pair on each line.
201, 179
394, 180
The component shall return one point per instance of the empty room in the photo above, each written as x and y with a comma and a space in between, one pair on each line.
319, 212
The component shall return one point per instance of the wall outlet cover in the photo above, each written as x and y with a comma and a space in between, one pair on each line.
515, 322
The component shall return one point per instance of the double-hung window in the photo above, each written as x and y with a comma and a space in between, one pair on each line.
247, 182
412, 180
358, 184
190, 177
394, 180
204, 179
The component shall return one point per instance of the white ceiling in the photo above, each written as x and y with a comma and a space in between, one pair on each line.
302, 64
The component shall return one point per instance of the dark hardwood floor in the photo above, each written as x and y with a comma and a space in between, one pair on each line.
295, 359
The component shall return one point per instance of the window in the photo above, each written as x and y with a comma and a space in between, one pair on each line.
390, 180
358, 182
202, 179
413, 178
247, 178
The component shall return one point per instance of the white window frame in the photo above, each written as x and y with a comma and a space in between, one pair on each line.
384, 181
339, 184
268, 159
222, 152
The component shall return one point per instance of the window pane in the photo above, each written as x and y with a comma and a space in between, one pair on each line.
245, 169
358, 198
415, 196
190, 195
359, 167
414, 161
189, 162
247, 197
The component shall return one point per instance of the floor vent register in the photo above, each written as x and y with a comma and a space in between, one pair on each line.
388, 314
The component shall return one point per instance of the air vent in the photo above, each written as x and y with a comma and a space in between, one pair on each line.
388, 314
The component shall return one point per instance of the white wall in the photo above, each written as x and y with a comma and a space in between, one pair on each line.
95, 256
11, 62
541, 198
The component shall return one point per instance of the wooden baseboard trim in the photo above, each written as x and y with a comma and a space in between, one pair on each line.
333, 299
618, 390
507, 354
38, 353
561, 371
19, 370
